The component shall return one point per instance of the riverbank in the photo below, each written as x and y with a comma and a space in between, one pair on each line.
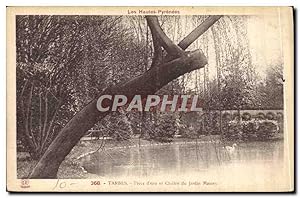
71, 169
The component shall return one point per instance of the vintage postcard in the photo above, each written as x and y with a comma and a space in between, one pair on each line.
150, 99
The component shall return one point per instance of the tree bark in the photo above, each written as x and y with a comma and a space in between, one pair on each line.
171, 48
189, 39
145, 84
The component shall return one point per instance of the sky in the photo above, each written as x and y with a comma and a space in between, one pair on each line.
264, 40
264, 35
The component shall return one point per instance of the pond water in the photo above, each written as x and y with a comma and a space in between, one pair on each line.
255, 162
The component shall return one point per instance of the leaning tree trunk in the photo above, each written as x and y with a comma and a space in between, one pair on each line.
160, 74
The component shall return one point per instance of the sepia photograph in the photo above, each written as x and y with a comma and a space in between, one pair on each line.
150, 99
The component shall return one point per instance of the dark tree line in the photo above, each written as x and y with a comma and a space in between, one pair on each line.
62, 63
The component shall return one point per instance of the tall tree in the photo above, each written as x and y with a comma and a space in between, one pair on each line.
176, 63
52, 82
271, 89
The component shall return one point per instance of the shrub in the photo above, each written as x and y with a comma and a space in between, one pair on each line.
270, 116
215, 123
233, 131
249, 131
252, 130
266, 130
226, 117
279, 117
246, 116
235, 116
261, 116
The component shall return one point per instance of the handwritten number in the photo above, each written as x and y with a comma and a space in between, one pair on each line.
61, 185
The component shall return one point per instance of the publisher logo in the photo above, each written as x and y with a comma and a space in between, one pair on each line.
25, 183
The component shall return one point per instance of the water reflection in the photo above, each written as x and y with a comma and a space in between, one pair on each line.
179, 159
